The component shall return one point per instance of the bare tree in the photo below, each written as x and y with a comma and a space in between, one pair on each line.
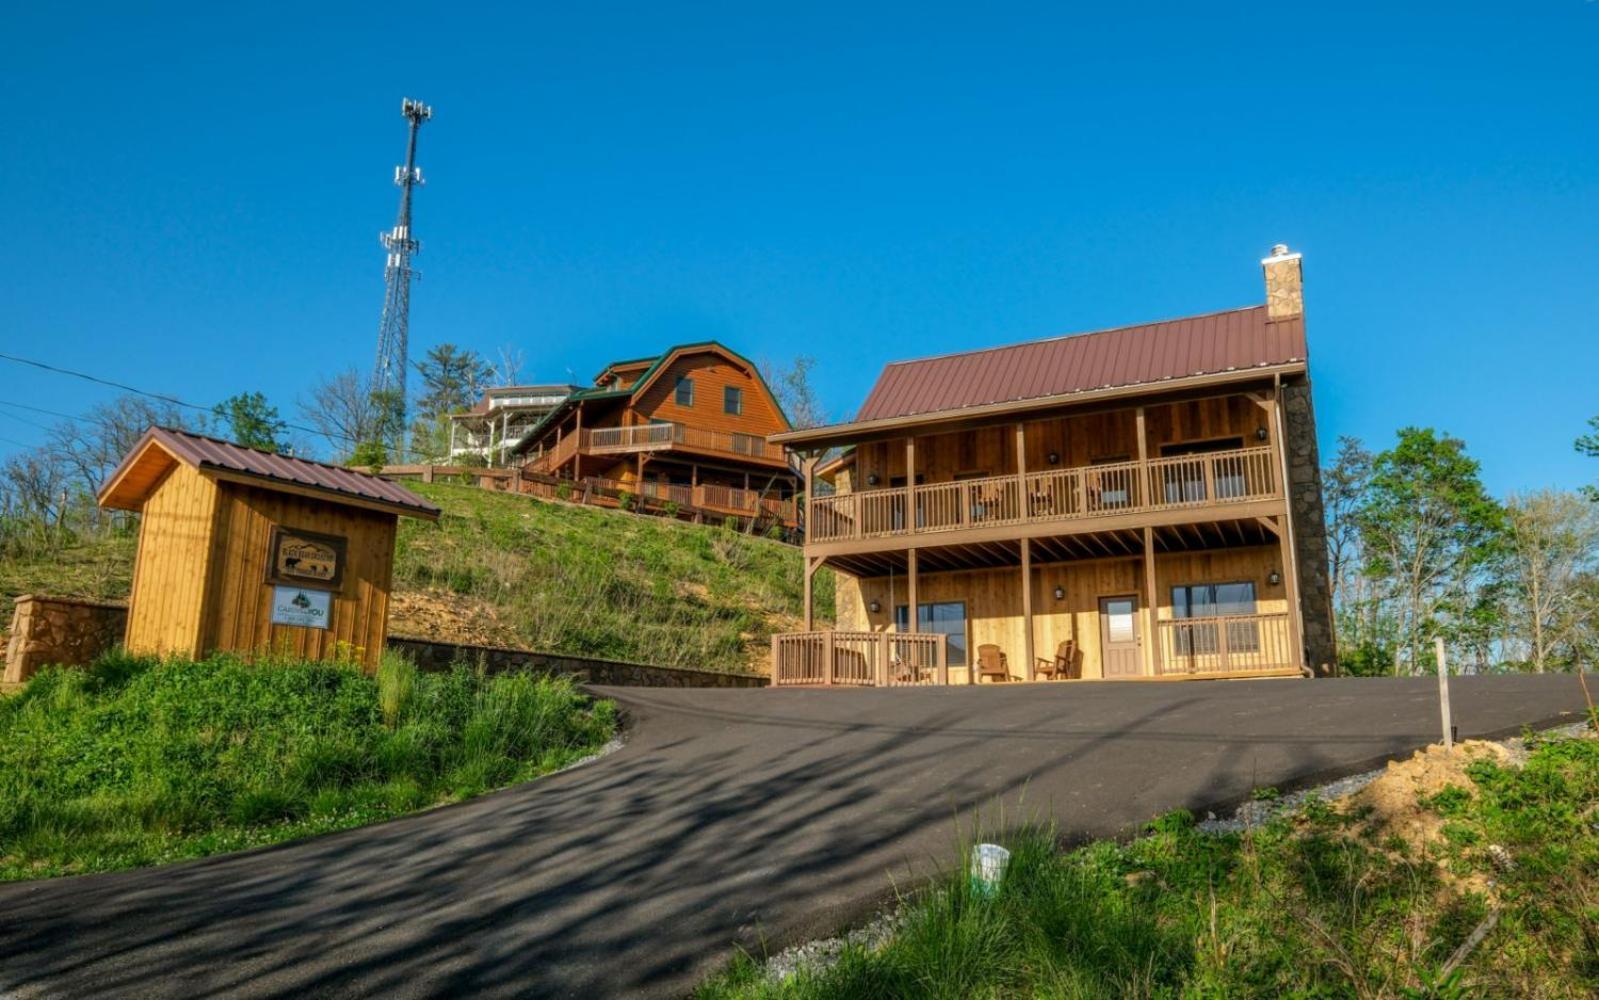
92, 445
791, 384
508, 367
1554, 550
344, 410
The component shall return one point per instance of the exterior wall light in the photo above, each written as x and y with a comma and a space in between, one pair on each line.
872, 479
1260, 433
1274, 578
1053, 458
874, 607
1060, 593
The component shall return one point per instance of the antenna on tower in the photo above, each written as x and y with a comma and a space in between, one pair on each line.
393, 362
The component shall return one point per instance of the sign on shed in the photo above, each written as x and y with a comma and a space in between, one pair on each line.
248, 551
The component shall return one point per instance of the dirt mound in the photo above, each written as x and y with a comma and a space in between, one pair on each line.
444, 616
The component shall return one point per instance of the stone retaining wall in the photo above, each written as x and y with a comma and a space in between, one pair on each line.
59, 630
430, 655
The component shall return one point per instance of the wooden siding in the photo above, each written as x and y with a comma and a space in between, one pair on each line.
711, 373
993, 598
166, 612
239, 615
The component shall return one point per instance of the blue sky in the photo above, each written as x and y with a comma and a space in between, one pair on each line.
191, 197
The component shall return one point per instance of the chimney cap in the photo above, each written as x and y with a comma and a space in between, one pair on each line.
1280, 252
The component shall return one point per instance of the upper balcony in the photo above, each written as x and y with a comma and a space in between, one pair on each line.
658, 437
1083, 495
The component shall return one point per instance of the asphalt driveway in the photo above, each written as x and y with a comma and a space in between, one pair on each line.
729, 816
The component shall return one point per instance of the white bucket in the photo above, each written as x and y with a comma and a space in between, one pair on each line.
989, 862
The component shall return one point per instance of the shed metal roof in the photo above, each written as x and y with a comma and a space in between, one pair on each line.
217, 455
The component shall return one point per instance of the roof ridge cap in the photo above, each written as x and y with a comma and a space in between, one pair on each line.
1070, 336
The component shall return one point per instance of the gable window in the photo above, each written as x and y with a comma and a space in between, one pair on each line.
948, 618
685, 391
1210, 601
733, 400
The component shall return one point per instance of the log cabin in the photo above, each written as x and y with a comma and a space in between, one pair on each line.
689, 426
1135, 503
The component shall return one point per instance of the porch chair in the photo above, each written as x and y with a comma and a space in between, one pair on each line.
1064, 666
991, 662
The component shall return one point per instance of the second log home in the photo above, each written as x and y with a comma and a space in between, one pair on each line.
1143, 502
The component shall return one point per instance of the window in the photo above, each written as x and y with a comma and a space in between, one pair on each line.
1184, 482
1215, 600
733, 400
948, 619
685, 391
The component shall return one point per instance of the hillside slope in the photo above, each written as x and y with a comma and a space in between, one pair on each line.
500, 569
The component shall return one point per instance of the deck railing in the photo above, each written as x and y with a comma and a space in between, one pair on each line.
859, 659
709, 496
1229, 644
1056, 494
662, 436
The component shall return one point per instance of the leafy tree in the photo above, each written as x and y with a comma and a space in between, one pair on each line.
1588, 444
252, 421
452, 380
1430, 529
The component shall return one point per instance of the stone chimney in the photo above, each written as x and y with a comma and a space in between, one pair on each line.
1285, 284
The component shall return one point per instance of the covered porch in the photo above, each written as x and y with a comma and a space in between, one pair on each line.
1176, 601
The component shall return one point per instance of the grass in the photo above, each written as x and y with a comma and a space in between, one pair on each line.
549, 576
136, 761
606, 583
1314, 904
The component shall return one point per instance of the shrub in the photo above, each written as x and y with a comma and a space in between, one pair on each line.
624, 500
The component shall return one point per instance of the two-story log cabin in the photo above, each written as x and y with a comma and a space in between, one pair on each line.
1142, 502
689, 425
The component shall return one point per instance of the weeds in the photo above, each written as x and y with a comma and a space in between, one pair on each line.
136, 761
1306, 906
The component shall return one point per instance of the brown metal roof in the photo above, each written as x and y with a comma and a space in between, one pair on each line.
1130, 355
208, 453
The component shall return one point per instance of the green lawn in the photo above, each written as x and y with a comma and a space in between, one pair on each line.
1320, 903
135, 761
607, 583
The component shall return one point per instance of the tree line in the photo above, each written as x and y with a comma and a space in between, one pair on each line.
1418, 549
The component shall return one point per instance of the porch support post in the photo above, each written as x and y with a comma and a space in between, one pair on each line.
1027, 603
577, 446
1143, 496
453, 424
1151, 605
911, 617
505, 430
910, 493
1285, 534
810, 604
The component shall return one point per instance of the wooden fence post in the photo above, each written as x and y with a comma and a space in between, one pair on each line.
1443, 692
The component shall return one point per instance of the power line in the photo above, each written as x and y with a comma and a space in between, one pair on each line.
141, 392
25, 420
39, 409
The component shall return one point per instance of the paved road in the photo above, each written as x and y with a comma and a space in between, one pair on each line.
729, 815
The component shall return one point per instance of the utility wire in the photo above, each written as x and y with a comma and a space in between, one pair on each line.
141, 392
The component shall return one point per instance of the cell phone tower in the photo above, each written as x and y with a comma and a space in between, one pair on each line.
389, 375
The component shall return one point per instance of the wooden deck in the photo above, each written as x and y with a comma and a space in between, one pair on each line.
658, 437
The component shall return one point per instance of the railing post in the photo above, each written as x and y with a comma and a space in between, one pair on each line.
941, 654
1224, 653
827, 658
777, 661
882, 660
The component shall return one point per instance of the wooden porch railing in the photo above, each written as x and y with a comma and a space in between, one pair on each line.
707, 496
859, 659
1057, 494
1230, 645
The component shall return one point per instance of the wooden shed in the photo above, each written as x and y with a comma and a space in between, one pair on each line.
242, 550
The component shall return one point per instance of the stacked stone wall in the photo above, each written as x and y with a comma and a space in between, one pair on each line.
59, 630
